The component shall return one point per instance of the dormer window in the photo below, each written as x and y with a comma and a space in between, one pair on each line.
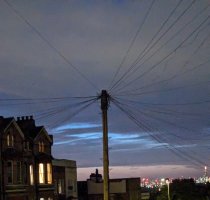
26, 145
10, 140
41, 146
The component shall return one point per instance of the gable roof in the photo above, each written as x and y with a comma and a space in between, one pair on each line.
43, 131
5, 123
26, 126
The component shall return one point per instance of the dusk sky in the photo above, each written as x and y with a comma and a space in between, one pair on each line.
153, 58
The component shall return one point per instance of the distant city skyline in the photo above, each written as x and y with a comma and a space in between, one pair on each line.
151, 172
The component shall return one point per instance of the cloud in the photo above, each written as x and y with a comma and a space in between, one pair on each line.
72, 126
94, 37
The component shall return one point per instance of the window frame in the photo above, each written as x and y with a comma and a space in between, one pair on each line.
41, 148
42, 173
10, 139
49, 173
19, 172
10, 173
31, 174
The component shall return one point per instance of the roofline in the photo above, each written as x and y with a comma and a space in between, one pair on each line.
16, 125
46, 133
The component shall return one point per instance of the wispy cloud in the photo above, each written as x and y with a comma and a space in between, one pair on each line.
73, 126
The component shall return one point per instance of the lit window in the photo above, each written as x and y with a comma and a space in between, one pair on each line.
31, 171
10, 140
19, 172
41, 146
41, 173
10, 172
49, 173
41, 198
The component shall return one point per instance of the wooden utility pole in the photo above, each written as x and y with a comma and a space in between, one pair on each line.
104, 108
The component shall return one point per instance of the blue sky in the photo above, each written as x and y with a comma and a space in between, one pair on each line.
53, 52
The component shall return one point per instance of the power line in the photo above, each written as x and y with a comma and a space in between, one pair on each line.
172, 112
133, 41
168, 55
171, 148
75, 113
26, 21
168, 104
171, 77
23, 101
163, 90
157, 118
126, 75
146, 48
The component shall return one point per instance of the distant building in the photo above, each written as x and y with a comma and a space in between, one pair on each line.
26, 171
65, 178
120, 189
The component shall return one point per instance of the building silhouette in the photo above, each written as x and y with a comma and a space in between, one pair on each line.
26, 169
120, 189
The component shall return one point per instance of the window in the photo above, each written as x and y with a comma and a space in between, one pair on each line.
49, 173
41, 198
41, 146
24, 179
60, 186
56, 186
26, 145
10, 140
19, 172
41, 173
10, 172
31, 171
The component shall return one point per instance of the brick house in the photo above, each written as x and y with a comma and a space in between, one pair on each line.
26, 161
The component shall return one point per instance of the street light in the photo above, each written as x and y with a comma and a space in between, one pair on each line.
168, 183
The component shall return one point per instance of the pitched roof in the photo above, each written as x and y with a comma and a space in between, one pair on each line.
4, 122
27, 125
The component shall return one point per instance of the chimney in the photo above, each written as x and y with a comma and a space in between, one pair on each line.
26, 122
